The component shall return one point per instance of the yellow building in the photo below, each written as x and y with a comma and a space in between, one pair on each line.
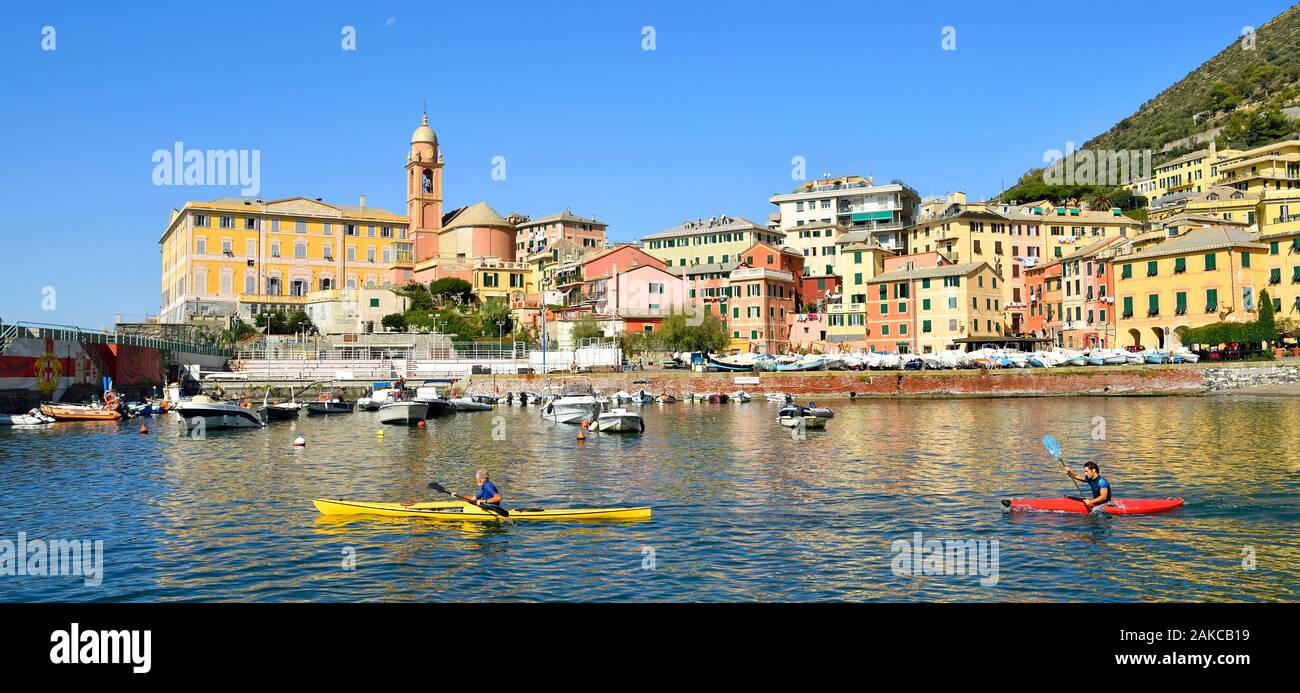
497, 279
1218, 202
235, 256
933, 309
1270, 167
858, 261
1203, 276
718, 240
1280, 271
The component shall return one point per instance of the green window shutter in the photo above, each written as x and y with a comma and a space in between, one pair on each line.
1180, 303
925, 303
1180, 265
1127, 272
1245, 260
902, 307
735, 313
857, 278
1153, 304
884, 292
1211, 262
884, 330
902, 329
1102, 315
1273, 248
925, 326
374, 303
1211, 300
925, 283
1153, 268
857, 257
1275, 275
1128, 306
1295, 275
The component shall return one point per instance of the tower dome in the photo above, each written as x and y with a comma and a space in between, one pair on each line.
424, 133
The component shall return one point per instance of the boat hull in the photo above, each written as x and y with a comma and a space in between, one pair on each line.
216, 418
459, 511
1119, 506
618, 423
318, 408
403, 413
62, 412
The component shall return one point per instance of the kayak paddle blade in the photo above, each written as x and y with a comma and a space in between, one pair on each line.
1052, 446
1006, 503
438, 487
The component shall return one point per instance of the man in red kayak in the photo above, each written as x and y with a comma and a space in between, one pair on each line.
1100, 487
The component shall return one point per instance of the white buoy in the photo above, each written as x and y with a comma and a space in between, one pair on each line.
300, 442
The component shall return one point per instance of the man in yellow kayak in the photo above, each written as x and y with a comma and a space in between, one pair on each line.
487, 491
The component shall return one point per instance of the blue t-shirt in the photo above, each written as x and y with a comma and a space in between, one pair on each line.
489, 490
1097, 485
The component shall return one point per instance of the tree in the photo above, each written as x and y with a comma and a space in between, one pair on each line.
588, 328
495, 315
682, 333
418, 296
633, 344
279, 322
395, 322
1265, 322
452, 289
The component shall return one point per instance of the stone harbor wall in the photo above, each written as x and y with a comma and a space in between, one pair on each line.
1217, 379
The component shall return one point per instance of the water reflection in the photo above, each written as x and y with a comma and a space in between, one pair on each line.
742, 509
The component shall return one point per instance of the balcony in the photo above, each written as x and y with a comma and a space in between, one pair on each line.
842, 308
273, 298
750, 273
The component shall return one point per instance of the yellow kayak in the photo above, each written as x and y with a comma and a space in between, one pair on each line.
461, 511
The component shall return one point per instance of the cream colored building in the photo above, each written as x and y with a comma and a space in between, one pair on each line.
718, 240
815, 213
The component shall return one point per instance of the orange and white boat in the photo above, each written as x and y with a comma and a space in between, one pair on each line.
84, 412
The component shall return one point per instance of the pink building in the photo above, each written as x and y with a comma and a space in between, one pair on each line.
533, 235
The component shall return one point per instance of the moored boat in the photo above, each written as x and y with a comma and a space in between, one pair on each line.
33, 417
618, 421
211, 414
469, 404
80, 412
403, 412
573, 406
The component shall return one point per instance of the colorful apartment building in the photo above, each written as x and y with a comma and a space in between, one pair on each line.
859, 261
851, 202
233, 256
1190, 173
1044, 305
709, 287
764, 293
1087, 296
925, 304
1272, 167
1203, 276
536, 235
716, 240
1281, 271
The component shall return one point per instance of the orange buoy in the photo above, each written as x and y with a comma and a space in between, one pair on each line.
582, 430
419, 424
144, 430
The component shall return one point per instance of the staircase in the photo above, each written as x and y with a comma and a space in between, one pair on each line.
8, 333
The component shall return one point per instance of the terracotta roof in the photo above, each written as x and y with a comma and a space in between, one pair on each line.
928, 272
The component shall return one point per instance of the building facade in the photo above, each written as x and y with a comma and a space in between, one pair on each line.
716, 240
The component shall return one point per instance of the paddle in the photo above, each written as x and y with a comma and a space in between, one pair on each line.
1054, 448
496, 510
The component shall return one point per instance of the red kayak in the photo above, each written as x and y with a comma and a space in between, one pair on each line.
1119, 506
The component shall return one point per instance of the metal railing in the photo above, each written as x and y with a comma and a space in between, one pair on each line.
33, 330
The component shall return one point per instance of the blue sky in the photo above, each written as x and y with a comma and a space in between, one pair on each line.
706, 123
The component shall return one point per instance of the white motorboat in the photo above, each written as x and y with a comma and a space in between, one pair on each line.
430, 393
403, 411
202, 410
379, 394
618, 421
1187, 355
740, 396
777, 397
468, 404
796, 417
31, 418
573, 406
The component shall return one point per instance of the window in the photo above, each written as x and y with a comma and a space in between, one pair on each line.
1211, 300
1211, 262
275, 224
1126, 272
1152, 268
1245, 260
884, 330
1128, 307
884, 309
349, 229
902, 307
1275, 275
370, 254
227, 222
374, 303
1153, 305
201, 246
925, 305
1180, 265
902, 328
952, 303
925, 327
228, 247
1180, 303
300, 250
925, 283
250, 284
201, 220
300, 227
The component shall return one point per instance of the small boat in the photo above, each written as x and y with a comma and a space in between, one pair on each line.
729, 365
719, 398
148, 408
379, 394
82, 412
328, 404
814, 363
1187, 355
282, 411
573, 406
1119, 506
33, 417
912, 362
214, 415
403, 411
469, 404
460, 511
740, 396
436, 404
778, 397
1134, 358
1155, 357
820, 412
793, 417
666, 398
618, 421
